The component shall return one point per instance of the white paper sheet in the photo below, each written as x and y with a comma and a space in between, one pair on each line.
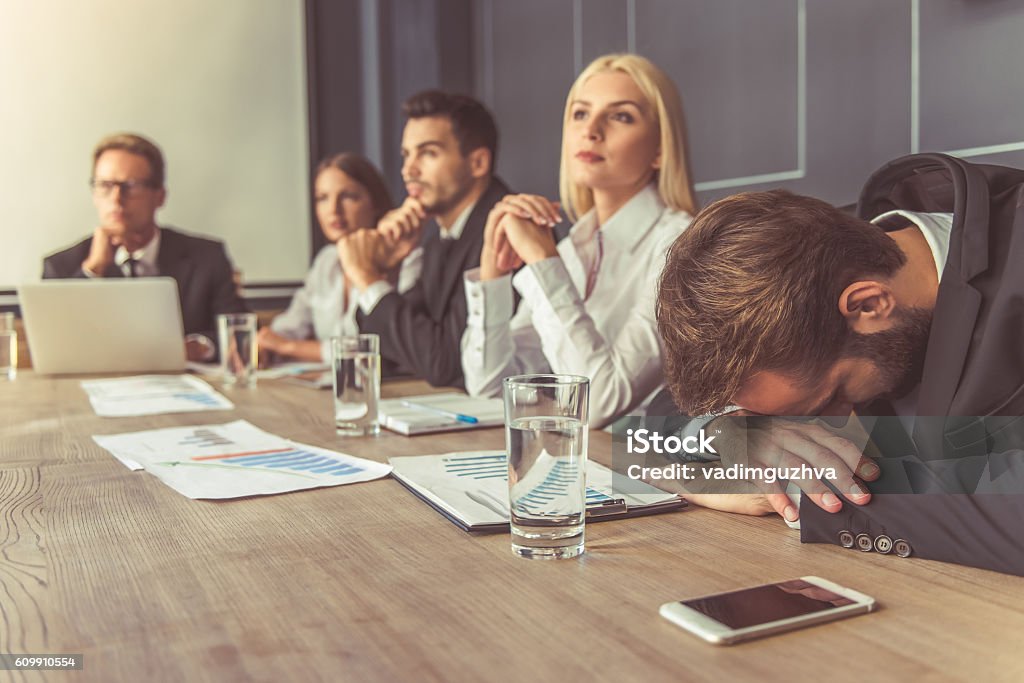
473, 486
152, 395
234, 460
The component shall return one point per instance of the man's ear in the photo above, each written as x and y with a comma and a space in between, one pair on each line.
162, 198
480, 162
868, 306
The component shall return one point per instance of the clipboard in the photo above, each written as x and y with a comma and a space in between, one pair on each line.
480, 503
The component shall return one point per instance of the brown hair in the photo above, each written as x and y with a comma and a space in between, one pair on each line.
135, 144
472, 125
361, 170
753, 284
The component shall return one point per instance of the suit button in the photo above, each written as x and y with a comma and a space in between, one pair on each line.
902, 548
883, 544
864, 543
845, 539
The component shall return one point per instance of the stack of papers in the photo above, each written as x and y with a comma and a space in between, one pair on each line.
443, 412
471, 489
152, 395
234, 460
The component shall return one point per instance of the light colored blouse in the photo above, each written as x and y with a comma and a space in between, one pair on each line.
590, 312
320, 309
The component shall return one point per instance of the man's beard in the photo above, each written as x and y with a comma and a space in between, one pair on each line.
442, 205
898, 353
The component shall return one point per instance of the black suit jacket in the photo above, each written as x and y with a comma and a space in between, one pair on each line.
421, 330
955, 491
200, 266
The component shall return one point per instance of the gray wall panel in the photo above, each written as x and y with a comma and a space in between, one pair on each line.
972, 91
603, 26
532, 72
858, 102
736, 65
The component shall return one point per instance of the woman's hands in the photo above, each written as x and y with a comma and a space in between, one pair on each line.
518, 231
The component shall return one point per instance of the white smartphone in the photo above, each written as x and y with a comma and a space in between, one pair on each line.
727, 618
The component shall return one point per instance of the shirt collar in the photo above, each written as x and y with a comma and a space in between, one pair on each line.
455, 232
146, 255
627, 227
935, 227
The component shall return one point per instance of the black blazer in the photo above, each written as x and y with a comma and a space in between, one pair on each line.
968, 436
200, 266
421, 330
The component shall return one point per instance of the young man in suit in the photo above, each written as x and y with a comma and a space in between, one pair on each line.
448, 151
128, 188
780, 305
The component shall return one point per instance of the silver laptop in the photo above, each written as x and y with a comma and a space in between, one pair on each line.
116, 325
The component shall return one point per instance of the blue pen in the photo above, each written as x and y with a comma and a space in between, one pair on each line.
468, 419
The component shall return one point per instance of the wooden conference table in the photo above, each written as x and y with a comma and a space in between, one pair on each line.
366, 583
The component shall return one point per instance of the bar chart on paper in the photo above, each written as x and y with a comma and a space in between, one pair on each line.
471, 488
236, 459
495, 466
288, 459
152, 395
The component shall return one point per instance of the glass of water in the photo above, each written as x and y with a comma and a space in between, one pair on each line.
238, 350
356, 366
546, 420
8, 347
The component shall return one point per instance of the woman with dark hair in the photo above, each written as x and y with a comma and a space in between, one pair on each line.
349, 194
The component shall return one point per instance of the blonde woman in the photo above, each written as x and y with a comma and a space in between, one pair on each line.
348, 194
588, 302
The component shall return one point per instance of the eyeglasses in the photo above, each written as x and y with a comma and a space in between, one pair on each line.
128, 188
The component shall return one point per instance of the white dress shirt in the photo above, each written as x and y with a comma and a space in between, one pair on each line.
145, 259
320, 309
609, 335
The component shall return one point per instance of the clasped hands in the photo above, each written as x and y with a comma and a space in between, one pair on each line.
518, 231
369, 255
784, 443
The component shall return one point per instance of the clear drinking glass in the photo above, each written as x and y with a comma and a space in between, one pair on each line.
356, 366
8, 347
546, 419
238, 350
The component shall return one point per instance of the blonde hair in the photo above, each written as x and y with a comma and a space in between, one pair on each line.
674, 183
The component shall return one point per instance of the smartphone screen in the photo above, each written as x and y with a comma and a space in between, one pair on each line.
764, 604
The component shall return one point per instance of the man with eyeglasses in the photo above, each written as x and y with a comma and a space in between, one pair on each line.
128, 188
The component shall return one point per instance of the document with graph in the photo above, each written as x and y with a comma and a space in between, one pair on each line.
152, 395
471, 489
234, 460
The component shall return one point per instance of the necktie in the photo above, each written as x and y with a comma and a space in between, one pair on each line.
132, 265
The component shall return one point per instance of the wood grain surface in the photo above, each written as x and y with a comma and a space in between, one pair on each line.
366, 583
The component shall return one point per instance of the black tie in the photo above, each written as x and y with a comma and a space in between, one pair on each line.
131, 268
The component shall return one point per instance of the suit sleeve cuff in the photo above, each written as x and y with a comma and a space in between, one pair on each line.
371, 296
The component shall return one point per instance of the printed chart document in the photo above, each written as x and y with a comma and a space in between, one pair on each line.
234, 460
445, 412
471, 489
152, 395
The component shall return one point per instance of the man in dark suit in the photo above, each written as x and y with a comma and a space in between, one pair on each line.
128, 188
448, 151
777, 304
